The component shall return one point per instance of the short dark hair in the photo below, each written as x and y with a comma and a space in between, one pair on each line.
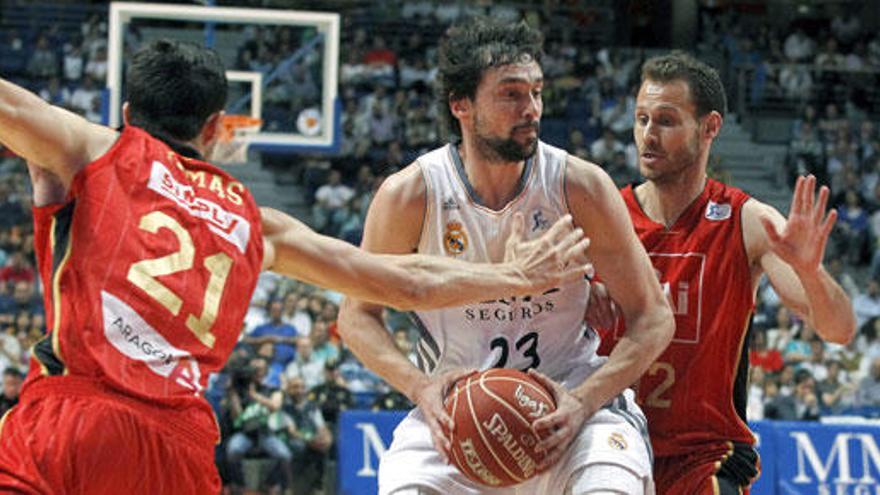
703, 81
468, 49
173, 87
13, 372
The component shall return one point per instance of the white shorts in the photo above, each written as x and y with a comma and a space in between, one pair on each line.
616, 435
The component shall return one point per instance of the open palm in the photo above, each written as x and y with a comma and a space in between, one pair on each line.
801, 243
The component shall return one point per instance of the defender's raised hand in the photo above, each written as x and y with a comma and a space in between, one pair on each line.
558, 256
801, 243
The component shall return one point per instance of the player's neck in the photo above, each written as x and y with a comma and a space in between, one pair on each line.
664, 201
495, 183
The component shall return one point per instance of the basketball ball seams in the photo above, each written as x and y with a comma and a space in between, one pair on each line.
519, 415
486, 443
493, 445
501, 375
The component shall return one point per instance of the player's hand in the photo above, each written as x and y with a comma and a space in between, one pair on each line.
429, 398
558, 429
558, 256
801, 243
601, 311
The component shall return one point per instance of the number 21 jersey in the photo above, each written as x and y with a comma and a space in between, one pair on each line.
148, 268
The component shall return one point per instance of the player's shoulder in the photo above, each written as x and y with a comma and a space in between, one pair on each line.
726, 193
586, 178
405, 187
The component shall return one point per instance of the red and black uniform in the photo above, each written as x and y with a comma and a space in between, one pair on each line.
148, 268
694, 395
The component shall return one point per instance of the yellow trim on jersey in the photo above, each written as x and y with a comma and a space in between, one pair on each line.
716, 490
43, 369
56, 291
3, 420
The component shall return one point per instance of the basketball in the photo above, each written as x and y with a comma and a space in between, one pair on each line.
493, 442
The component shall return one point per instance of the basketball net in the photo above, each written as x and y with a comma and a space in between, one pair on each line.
235, 134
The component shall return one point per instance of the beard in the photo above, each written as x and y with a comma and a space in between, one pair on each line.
506, 149
676, 162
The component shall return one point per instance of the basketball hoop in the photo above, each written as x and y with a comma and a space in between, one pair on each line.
235, 134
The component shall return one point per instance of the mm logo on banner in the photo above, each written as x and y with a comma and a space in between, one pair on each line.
850, 466
374, 447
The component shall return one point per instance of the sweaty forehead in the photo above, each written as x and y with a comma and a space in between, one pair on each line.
528, 72
665, 93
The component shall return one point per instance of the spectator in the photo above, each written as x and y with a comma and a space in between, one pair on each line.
306, 365
379, 54
55, 93
799, 349
835, 393
332, 396
83, 97
24, 299
251, 404
868, 393
324, 349
12, 379
96, 68
329, 199
762, 357
806, 402
602, 150
755, 401
307, 436
829, 57
776, 404
852, 228
280, 334
867, 305
785, 329
294, 314
73, 64
10, 348
43, 63
796, 81
816, 362
382, 125
17, 269
798, 46
846, 27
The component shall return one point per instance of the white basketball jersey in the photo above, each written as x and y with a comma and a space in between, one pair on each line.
543, 331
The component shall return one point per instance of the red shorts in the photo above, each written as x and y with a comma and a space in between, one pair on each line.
727, 470
74, 442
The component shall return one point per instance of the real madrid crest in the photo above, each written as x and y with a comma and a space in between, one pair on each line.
455, 240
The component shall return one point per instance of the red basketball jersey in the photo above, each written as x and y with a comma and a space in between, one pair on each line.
694, 394
148, 270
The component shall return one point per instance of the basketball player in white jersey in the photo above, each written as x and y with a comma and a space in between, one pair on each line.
462, 201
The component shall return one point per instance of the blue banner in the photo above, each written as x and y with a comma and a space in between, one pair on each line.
766, 446
797, 458
819, 459
363, 438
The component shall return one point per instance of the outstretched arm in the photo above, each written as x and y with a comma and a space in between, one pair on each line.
57, 139
417, 281
790, 251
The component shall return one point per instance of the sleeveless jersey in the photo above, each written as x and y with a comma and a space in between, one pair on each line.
543, 331
148, 268
694, 394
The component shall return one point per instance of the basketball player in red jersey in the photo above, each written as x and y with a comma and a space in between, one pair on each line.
140, 244
709, 244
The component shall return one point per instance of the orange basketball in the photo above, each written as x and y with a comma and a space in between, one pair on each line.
493, 442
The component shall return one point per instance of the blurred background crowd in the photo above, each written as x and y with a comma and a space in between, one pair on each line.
814, 78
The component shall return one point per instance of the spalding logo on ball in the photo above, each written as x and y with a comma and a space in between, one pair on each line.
493, 442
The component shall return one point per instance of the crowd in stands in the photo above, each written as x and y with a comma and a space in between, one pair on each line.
290, 376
